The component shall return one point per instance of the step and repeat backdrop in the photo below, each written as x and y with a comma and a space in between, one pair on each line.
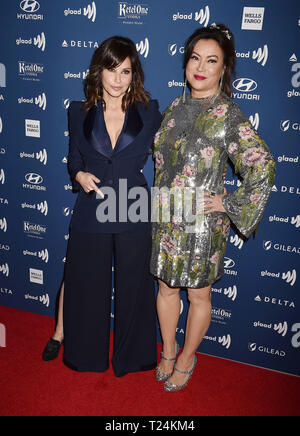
46, 48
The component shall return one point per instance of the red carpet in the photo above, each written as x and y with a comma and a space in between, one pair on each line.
30, 387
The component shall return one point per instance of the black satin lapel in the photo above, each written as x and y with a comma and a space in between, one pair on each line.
133, 126
95, 131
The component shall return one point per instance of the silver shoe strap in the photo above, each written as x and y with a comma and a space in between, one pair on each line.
168, 358
187, 372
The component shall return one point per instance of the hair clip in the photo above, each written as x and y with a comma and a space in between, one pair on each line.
214, 26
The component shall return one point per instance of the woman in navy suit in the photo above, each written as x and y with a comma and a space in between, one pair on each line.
111, 133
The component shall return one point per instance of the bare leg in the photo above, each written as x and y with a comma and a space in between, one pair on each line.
59, 330
199, 317
168, 310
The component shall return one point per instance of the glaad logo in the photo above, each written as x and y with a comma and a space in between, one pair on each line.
295, 220
2, 176
44, 299
2, 336
237, 241
225, 341
41, 207
3, 225
40, 156
38, 41
90, 12
261, 55
43, 254
143, 47
230, 292
254, 120
290, 277
281, 328
40, 100
202, 17
4, 269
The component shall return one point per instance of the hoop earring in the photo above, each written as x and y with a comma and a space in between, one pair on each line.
184, 91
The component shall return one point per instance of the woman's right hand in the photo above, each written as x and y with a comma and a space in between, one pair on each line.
88, 182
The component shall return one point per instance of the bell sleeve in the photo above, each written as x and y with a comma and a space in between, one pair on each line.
253, 161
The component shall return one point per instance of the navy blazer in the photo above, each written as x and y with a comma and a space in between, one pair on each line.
90, 150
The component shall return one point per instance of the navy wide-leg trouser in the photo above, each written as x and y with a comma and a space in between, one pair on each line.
87, 302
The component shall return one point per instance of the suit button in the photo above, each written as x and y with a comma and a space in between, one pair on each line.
109, 161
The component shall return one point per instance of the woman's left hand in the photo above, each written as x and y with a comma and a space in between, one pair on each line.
213, 203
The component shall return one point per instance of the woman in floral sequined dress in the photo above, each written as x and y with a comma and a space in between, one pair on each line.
200, 131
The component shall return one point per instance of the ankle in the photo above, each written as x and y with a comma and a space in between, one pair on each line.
58, 336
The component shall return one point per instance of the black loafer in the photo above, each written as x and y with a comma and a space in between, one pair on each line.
51, 351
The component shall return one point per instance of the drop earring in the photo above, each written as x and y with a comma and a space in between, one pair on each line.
184, 91
219, 90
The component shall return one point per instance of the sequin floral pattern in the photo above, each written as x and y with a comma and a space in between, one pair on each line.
191, 150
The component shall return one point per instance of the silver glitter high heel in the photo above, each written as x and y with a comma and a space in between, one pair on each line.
163, 376
171, 387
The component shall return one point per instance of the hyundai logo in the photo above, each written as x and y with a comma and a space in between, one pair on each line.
33, 178
228, 263
30, 6
245, 85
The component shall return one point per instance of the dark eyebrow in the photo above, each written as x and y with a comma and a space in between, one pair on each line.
209, 56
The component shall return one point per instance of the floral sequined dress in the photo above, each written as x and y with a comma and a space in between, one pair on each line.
191, 151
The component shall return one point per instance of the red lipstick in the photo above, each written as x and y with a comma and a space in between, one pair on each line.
197, 77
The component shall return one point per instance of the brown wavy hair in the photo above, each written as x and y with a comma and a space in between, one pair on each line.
220, 34
111, 53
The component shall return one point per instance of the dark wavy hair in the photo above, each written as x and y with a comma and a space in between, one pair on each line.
111, 53
219, 32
